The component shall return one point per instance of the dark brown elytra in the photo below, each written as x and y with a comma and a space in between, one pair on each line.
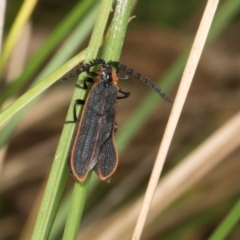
93, 144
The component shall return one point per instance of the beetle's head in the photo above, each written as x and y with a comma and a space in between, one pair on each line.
105, 74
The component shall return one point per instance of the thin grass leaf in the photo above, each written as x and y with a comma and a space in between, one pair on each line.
115, 37
227, 224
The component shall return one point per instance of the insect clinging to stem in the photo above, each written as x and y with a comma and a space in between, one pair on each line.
93, 145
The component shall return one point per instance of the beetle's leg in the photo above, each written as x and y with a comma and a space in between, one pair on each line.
75, 119
93, 74
85, 86
124, 93
140, 77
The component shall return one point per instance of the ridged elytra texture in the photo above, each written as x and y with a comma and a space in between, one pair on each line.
93, 145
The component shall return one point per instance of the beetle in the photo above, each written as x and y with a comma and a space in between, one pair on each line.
93, 145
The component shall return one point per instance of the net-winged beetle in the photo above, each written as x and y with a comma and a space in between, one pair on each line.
93, 145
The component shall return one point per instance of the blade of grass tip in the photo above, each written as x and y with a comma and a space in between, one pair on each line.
23, 16
48, 46
176, 111
80, 189
227, 224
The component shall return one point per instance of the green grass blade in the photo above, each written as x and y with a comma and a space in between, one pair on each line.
114, 41
227, 224
76, 209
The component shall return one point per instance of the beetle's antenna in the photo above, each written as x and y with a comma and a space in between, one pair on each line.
84, 68
140, 77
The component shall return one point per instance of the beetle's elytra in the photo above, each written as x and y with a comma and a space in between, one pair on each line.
93, 145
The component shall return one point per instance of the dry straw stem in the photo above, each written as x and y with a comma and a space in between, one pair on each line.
200, 162
186, 81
